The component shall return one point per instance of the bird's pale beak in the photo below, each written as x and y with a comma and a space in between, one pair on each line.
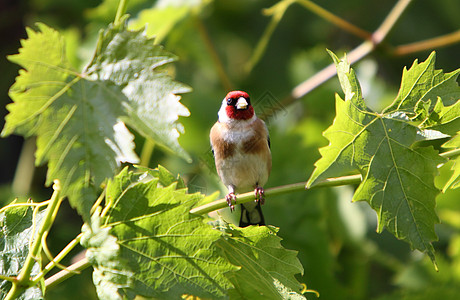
241, 103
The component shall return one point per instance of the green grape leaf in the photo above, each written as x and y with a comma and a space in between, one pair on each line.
422, 82
78, 117
111, 273
165, 177
397, 177
170, 252
18, 226
266, 270
445, 119
149, 95
454, 181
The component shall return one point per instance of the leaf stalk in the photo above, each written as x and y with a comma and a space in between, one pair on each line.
120, 11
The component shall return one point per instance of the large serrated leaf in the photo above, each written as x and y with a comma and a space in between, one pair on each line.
112, 274
77, 116
134, 63
454, 181
422, 82
445, 119
398, 178
266, 270
170, 251
18, 226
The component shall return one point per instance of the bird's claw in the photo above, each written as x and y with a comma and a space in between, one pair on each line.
259, 193
231, 199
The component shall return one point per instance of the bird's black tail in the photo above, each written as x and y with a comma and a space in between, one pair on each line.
251, 214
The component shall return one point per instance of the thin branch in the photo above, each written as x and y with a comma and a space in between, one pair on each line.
318, 79
276, 11
65, 274
451, 153
295, 187
354, 56
388, 24
120, 11
284, 189
31, 204
437, 42
24, 174
57, 259
147, 151
8, 278
336, 20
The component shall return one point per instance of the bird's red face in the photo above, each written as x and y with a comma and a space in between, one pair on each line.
239, 106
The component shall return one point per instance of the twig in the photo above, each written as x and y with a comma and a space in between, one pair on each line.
120, 11
354, 56
451, 153
381, 33
57, 259
336, 20
289, 188
437, 42
65, 274
147, 151
295, 187
276, 11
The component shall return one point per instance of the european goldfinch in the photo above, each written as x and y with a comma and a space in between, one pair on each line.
241, 147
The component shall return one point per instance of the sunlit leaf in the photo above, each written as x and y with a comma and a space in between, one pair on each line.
422, 82
454, 181
445, 119
170, 252
18, 226
77, 117
267, 269
398, 178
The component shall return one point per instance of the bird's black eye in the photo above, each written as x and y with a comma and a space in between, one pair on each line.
230, 101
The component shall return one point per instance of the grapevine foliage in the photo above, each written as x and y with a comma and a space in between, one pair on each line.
397, 172
79, 117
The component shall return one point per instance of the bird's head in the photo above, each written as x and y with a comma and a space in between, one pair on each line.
236, 106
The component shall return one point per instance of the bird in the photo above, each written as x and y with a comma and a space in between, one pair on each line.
241, 146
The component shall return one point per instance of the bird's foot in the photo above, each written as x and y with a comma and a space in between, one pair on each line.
259, 193
231, 200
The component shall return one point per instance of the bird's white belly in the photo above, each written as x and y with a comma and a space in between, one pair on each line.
244, 172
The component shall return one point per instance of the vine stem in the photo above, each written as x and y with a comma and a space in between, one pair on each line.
120, 11
75, 268
339, 22
277, 11
289, 188
437, 42
147, 151
295, 187
354, 56
451, 153
23, 280
57, 259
